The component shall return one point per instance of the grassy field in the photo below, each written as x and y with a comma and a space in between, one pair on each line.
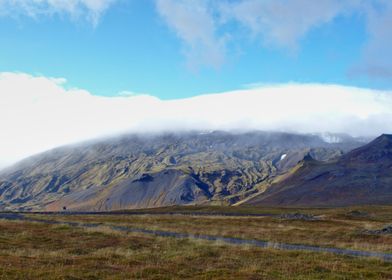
342, 227
32, 250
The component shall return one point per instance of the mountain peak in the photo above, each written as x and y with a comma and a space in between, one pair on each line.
387, 137
377, 151
383, 141
362, 176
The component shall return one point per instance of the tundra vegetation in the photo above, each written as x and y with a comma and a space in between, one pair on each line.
37, 250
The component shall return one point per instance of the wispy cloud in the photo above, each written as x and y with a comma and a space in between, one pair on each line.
278, 24
38, 113
194, 24
377, 59
204, 26
282, 23
91, 10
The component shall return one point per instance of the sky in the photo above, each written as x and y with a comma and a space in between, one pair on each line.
72, 70
181, 48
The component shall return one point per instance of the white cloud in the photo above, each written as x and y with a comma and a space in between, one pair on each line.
377, 61
204, 26
278, 24
88, 9
37, 113
194, 23
283, 23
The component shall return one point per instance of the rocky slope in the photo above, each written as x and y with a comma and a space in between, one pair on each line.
362, 176
135, 171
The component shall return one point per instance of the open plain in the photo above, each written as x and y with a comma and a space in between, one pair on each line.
199, 243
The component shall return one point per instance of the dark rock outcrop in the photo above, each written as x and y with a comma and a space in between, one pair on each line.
362, 176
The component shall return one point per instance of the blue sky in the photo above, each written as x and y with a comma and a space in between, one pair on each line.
141, 47
73, 70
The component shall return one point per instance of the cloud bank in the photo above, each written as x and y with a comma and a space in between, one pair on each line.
38, 113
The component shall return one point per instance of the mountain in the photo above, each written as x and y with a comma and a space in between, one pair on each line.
362, 176
138, 171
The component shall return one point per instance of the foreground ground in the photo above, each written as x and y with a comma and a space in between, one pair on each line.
34, 250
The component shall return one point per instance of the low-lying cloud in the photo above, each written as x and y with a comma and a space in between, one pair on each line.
38, 113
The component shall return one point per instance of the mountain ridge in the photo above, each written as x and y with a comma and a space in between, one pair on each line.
214, 168
361, 176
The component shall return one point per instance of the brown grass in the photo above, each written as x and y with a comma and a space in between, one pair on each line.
40, 251
336, 227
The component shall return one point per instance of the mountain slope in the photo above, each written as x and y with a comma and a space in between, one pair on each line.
169, 187
362, 176
136, 171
